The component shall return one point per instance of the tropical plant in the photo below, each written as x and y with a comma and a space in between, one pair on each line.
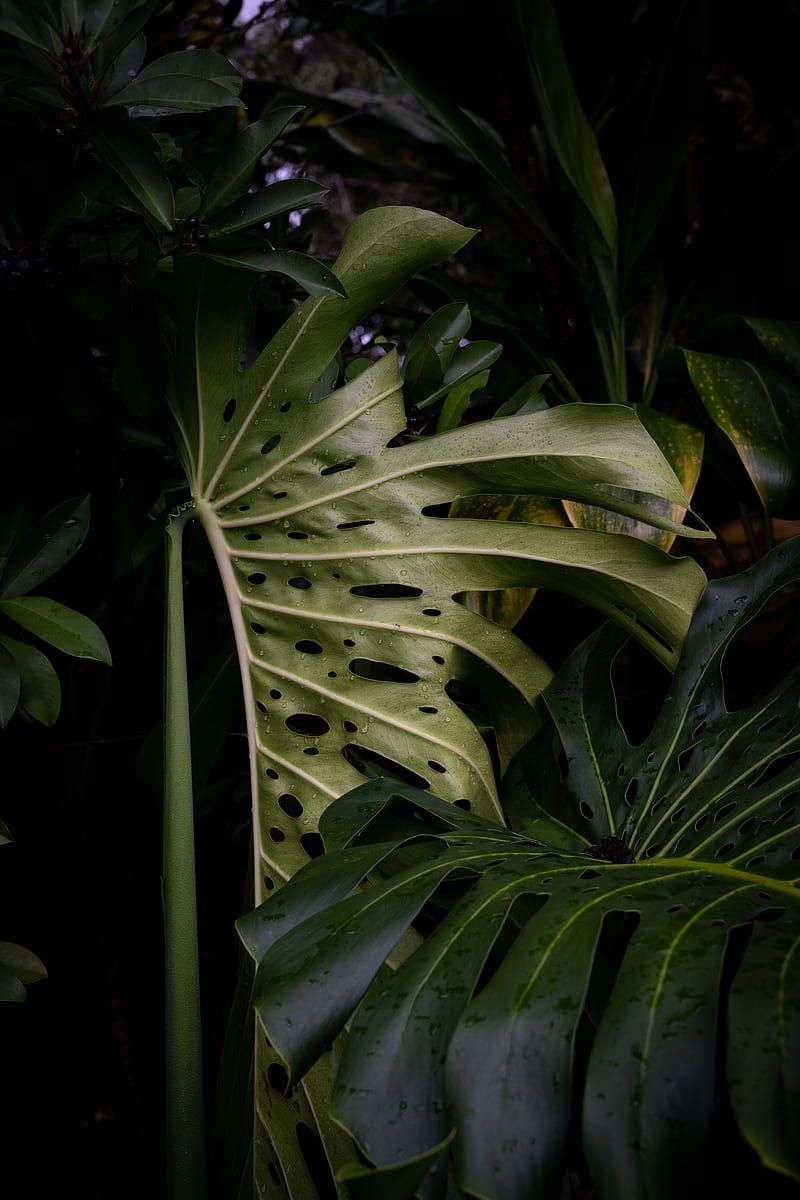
589, 968
340, 578
758, 408
615, 226
29, 684
28, 681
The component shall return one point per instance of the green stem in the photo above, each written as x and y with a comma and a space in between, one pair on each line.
186, 1173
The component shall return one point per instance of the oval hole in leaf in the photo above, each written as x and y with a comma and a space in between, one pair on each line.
335, 468
312, 844
278, 1077
270, 443
374, 766
368, 668
385, 591
305, 646
290, 805
307, 724
230, 409
316, 1160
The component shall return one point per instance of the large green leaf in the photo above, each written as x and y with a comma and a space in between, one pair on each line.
682, 446
665, 847
341, 582
759, 410
341, 585
188, 81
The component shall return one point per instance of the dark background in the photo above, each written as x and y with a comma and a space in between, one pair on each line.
81, 1101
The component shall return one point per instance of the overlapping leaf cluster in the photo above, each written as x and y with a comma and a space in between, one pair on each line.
603, 930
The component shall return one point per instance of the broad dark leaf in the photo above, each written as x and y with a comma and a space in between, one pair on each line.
759, 410
678, 840
281, 197
62, 627
46, 547
307, 272
232, 177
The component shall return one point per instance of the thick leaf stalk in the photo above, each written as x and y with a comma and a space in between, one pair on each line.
184, 1058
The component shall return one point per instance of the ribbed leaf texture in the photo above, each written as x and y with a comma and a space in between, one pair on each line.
340, 571
612, 912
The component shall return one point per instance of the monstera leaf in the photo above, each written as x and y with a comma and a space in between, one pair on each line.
340, 572
613, 911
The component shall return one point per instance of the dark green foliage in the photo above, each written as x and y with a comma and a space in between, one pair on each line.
594, 941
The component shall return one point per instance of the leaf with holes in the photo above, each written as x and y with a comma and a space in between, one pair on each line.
340, 575
612, 908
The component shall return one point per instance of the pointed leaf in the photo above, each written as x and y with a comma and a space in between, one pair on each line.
62, 627
759, 410
682, 446
690, 834
307, 272
187, 81
781, 340
282, 197
469, 135
140, 171
233, 175
46, 547
443, 330
40, 690
569, 133
466, 362
9, 686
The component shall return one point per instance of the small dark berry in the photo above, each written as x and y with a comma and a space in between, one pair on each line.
199, 235
192, 222
23, 264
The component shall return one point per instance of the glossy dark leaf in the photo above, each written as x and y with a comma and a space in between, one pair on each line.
282, 197
685, 837
443, 331
18, 967
40, 690
188, 81
682, 446
568, 131
9, 686
781, 340
307, 272
46, 547
62, 627
759, 410
234, 174
468, 361
139, 170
